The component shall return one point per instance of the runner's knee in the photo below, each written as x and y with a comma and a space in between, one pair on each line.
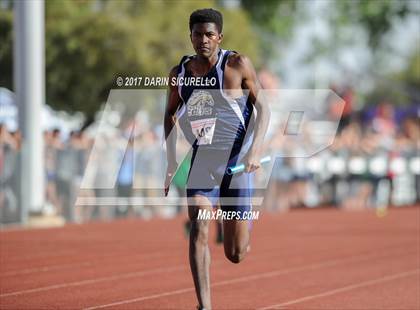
200, 230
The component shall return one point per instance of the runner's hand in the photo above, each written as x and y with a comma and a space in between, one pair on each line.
170, 172
252, 161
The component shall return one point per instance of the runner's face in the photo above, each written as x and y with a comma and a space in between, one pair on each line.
205, 39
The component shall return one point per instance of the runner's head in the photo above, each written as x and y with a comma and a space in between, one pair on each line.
206, 31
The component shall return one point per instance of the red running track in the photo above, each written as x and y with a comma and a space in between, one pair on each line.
308, 259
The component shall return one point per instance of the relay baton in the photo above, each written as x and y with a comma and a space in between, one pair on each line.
241, 167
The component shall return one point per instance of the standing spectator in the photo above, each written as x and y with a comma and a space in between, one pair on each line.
105, 151
79, 147
125, 181
9, 175
66, 172
384, 120
50, 154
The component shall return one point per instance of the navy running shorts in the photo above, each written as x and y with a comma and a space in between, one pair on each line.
207, 177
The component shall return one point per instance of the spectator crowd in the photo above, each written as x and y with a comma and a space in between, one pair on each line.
373, 162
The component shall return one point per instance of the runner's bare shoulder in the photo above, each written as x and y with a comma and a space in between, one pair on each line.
239, 62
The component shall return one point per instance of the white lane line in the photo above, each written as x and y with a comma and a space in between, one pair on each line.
42, 269
159, 254
344, 289
22, 258
64, 253
103, 258
16, 272
241, 279
95, 280
118, 303
109, 278
67, 252
102, 279
169, 269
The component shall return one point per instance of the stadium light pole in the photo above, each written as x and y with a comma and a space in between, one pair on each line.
29, 84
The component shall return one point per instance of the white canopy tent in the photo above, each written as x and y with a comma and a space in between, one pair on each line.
50, 119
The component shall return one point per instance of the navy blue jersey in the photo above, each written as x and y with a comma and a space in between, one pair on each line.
209, 118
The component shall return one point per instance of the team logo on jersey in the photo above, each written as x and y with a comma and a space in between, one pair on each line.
200, 104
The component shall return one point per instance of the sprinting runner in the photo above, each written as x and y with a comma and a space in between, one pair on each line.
215, 120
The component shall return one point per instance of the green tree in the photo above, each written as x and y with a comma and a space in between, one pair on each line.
375, 16
90, 43
399, 87
84, 50
274, 21
6, 47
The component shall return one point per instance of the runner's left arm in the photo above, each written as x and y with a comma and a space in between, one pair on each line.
250, 82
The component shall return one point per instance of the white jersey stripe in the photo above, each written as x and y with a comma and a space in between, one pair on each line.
234, 105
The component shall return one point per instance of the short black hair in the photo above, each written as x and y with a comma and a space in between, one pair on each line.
207, 16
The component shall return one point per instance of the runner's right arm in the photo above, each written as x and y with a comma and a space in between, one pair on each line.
173, 102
